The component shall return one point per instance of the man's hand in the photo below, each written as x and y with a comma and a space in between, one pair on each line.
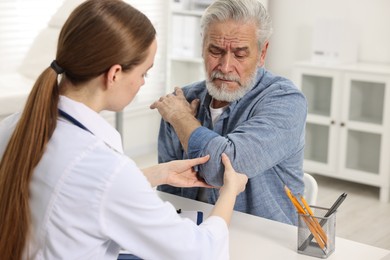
175, 109
175, 106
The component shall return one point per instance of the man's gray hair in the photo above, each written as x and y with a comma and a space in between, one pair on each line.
241, 11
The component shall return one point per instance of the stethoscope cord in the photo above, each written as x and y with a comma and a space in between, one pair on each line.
72, 120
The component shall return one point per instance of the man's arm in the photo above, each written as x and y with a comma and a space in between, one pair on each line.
175, 110
269, 132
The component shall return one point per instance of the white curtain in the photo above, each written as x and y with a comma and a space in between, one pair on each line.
22, 20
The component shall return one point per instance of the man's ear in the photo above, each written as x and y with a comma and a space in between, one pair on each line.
263, 54
113, 75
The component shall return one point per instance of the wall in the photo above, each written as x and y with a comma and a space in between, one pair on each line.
141, 126
294, 22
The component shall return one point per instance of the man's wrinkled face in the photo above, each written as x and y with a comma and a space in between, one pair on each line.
231, 56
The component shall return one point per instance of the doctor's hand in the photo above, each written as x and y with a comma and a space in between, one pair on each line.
233, 184
178, 173
232, 180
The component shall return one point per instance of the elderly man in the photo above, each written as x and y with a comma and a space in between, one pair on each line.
241, 109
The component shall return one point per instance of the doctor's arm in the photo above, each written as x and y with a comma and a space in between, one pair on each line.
178, 173
233, 184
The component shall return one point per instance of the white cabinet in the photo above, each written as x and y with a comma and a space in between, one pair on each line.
184, 57
347, 129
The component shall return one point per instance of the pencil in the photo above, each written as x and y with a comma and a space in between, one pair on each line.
294, 200
315, 233
317, 225
307, 219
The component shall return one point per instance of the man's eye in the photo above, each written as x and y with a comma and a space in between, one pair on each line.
240, 54
215, 51
145, 75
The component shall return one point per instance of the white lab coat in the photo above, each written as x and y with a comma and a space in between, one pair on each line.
89, 200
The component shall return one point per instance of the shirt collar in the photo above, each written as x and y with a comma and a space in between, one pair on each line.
93, 122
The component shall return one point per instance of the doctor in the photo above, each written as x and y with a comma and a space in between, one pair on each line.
67, 191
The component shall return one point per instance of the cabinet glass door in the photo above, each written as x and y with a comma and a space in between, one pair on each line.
363, 151
366, 101
318, 92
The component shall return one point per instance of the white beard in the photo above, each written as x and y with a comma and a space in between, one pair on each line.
222, 93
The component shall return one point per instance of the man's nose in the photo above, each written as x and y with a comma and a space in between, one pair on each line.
226, 63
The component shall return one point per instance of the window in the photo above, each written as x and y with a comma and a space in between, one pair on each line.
21, 21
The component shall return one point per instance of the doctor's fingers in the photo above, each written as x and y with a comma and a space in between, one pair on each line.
197, 161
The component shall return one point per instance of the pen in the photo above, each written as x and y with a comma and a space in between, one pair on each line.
336, 204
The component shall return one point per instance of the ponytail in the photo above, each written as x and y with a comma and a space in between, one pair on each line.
22, 154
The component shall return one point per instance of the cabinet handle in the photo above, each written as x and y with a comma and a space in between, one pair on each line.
342, 124
332, 122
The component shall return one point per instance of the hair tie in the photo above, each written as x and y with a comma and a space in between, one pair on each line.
54, 65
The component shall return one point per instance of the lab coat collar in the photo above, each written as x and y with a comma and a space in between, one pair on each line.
93, 122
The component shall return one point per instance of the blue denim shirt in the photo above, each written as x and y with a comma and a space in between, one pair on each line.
262, 134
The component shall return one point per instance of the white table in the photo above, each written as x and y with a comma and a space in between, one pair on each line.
253, 237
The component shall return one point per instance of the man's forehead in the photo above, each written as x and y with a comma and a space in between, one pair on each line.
231, 32
234, 41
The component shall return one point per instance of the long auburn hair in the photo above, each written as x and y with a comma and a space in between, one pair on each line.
97, 35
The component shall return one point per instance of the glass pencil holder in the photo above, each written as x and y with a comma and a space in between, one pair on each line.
316, 233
